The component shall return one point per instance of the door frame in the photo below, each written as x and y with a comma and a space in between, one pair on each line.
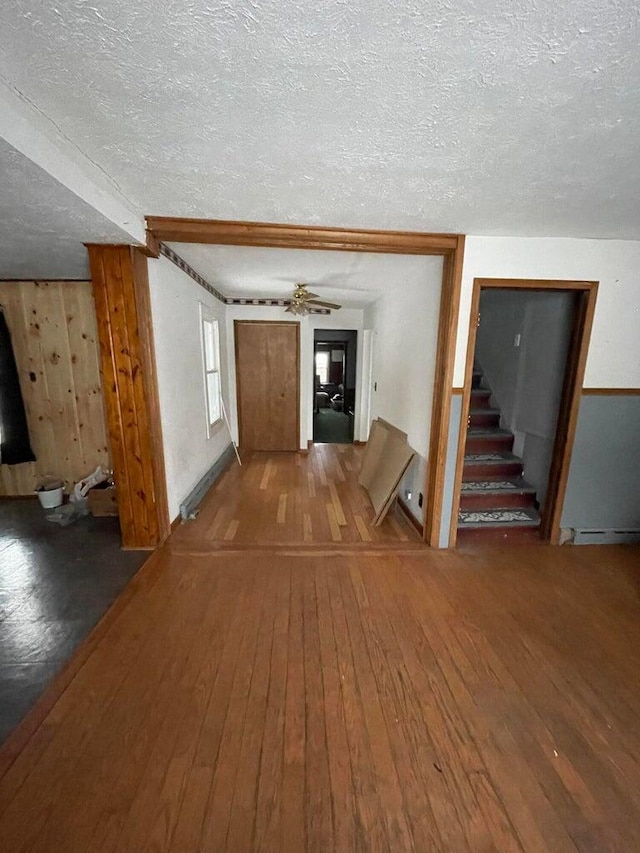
236, 323
449, 246
344, 345
586, 292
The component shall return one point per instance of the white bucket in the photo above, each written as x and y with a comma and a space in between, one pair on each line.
50, 498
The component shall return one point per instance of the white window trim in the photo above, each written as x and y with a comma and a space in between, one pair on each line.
206, 315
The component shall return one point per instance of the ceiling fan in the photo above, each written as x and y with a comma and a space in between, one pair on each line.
302, 301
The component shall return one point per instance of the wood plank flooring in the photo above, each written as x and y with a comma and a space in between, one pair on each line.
353, 696
277, 498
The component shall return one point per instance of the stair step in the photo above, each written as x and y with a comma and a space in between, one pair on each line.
499, 517
492, 494
488, 432
487, 439
484, 417
490, 465
497, 486
480, 398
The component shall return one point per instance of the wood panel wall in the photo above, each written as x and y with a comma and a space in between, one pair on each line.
54, 335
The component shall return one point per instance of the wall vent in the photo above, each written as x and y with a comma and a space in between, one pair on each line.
189, 507
607, 536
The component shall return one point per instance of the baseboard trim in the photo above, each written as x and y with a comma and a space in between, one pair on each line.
610, 392
193, 499
177, 521
410, 516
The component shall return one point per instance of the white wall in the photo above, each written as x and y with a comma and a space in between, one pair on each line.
188, 453
405, 333
345, 318
614, 353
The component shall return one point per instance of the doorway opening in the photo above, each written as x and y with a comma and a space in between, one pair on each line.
525, 364
334, 383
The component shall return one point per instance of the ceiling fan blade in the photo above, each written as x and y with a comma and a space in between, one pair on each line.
288, 308
306, 295
324, 304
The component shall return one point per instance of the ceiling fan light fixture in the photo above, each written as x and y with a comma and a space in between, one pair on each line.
298, 307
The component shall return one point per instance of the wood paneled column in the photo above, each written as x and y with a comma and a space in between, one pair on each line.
121, 293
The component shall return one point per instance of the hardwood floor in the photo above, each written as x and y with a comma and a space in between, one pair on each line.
277, 498
354, 696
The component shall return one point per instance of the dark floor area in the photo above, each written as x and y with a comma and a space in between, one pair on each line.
331, 427
55, 585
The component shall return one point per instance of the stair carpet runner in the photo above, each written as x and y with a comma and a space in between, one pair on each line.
494, 493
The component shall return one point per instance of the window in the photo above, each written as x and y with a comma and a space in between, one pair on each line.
322, 367
211, 363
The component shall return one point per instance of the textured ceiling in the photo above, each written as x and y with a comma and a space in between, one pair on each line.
43, 225
480, 116
352, 279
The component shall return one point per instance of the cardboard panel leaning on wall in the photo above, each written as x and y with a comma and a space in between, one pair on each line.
175, 311
54, 336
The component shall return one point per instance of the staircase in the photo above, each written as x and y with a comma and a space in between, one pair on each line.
494, 495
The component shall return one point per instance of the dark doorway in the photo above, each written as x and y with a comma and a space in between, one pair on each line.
334, 374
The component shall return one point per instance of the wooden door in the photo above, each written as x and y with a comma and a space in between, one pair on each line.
268, 386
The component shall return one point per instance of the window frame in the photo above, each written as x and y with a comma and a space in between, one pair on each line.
326, 368
208, 317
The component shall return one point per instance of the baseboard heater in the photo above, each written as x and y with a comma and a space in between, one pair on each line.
189, 507
608, 536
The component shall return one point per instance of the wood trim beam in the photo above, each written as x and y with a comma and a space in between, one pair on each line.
121, 293
464, 413
534, 284
610, 392
441, 410
152, 248
451, 246
216, 231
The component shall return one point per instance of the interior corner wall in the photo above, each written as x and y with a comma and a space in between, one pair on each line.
405, 335
175, 310
614, 352
345, 318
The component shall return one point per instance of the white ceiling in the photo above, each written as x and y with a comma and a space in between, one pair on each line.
43, 225
352, 279
477, 116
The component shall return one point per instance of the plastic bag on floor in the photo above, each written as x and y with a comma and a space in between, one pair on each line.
67, 514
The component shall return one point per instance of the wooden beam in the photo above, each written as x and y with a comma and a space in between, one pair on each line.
121, 293
451, 246
152, 247
441, 410
216, 231
464, 413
